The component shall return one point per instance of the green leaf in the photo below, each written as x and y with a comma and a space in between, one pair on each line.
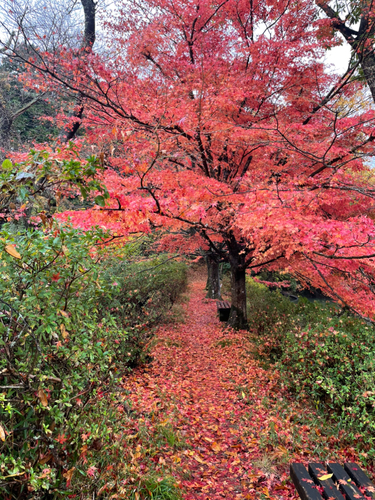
7, 165
99, 200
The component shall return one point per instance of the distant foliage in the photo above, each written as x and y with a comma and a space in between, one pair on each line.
21, 124
144, 291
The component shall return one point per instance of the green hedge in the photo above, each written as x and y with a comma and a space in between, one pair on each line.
323, 354
144, 291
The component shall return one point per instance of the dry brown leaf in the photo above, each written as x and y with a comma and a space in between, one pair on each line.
64, 333
45, 459
84, 448
133, 436
216, 447
198, 459
12, 251
43, 397
64, 313
69, 474
2, 433
107, 487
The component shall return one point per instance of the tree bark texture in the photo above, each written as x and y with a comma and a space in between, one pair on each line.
238, 313
89, 9
368, 66
213, 278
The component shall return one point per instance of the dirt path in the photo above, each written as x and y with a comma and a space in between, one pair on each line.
210, 400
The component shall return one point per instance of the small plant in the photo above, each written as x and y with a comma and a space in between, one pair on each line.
158, 488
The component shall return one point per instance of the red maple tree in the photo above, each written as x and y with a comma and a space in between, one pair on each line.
222, 121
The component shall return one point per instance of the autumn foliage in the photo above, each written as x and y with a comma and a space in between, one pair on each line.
214, 126
221, 120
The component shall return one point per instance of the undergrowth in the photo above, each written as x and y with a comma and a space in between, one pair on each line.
326, 358
145, 291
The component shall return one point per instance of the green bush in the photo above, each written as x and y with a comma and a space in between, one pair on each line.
322, 353
73, 320
272, 315
333, 362
145, 290
269, 313
58, 359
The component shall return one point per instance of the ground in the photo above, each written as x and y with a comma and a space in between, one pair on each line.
206, 413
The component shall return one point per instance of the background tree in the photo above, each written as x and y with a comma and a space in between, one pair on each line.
37, 27
21, 111
355, 21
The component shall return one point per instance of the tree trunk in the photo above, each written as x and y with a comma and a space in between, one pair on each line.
356, 39
238, 313
6, 122
89, 9
213, 278
368, 66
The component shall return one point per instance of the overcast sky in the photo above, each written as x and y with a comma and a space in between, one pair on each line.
339, 57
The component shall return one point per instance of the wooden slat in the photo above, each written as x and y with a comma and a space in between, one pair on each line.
345, 483
318, 470
223, 304
303, 483
360, 478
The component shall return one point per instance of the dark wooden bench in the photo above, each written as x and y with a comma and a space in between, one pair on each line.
332, 481
223, 308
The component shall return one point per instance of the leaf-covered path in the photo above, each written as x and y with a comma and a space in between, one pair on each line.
223, 431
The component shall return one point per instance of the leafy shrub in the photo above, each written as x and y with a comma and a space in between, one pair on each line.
322, 353
334, 364
272, 315
41, 173
64, 343
145, 290
58, 359
269, 313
